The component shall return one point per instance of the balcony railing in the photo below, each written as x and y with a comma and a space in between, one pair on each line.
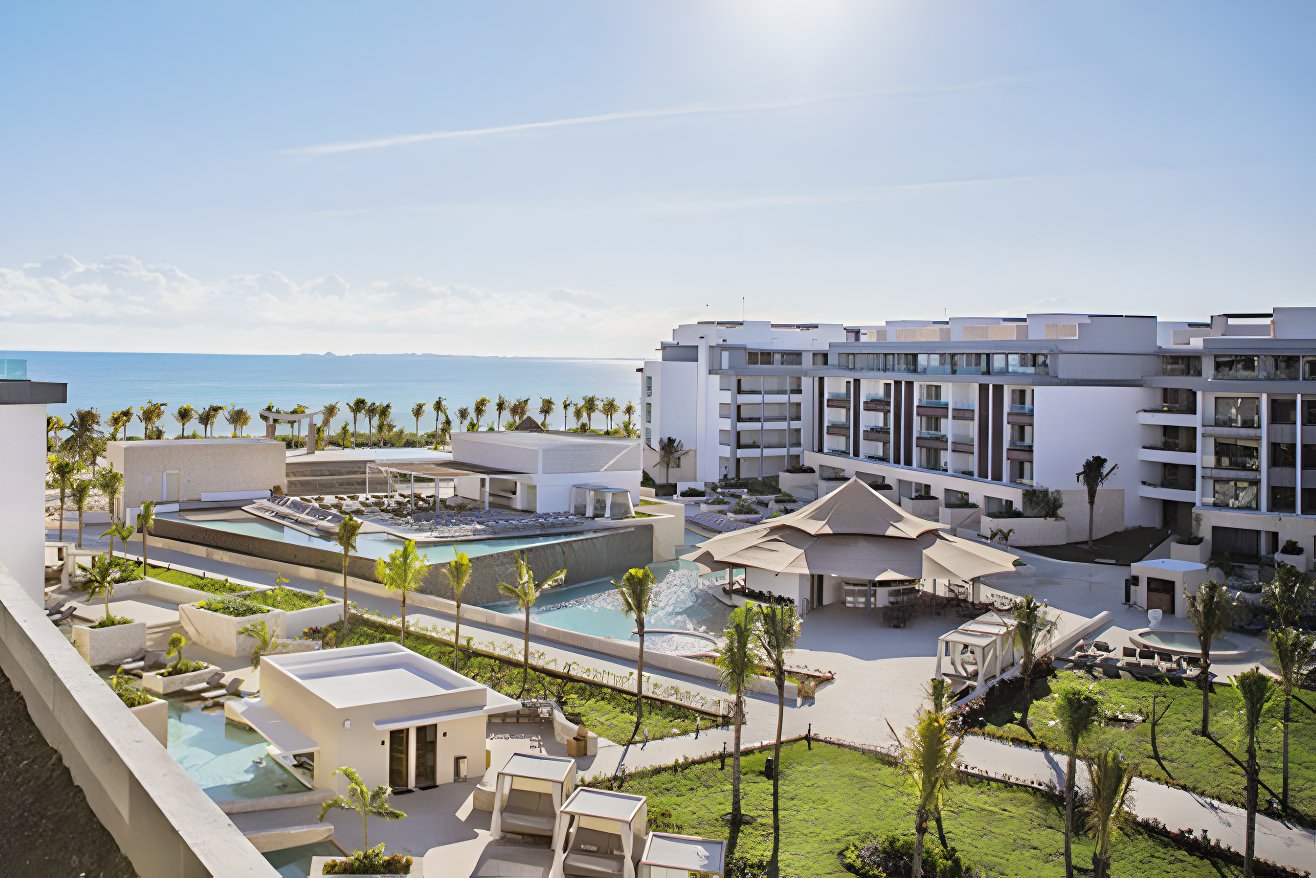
1189, 447
1026, 444
939, 403
1237, 374
1021, 409
931, 434
1171, 485
1229, 503
1173, 408
13, 369
1251, 423
1228, 461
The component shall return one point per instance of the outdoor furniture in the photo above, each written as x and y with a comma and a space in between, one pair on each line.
63, 615
133, 659
668, 854
599, 833
215, 679
1102, 646
234, 687
51, 611
528, 791
150, 662
594, 853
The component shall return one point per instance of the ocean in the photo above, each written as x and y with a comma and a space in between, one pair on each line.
109, 381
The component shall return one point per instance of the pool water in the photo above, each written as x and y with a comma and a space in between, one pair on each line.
1185, 641
226, 760
683, 600
296, 862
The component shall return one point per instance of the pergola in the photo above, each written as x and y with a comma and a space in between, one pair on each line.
595, 829
609, 494
449, 471
680, 856
528, 792
977, 651
271, 417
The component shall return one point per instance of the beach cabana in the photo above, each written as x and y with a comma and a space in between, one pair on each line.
529, 791
976, 652
682, 856
599, 833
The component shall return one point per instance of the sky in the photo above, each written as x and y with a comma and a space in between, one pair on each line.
574, 178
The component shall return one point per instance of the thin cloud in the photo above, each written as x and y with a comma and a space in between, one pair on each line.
390, 142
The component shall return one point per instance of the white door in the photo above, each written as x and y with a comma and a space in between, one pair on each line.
169, 486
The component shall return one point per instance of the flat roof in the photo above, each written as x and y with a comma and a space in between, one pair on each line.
603, 804
546, 439
374, 673
356, 688
448, 469
687, 852
550, 768
275, 728
1171, 564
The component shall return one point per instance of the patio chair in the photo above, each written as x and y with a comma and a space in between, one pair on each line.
528, 813
212, 696
52, 611
150, 662
1102, 646
594, 854
130, 660
63, 615
215, 679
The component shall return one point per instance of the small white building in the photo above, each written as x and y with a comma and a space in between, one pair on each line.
396, 717
23, 472
169, 471
1165, 584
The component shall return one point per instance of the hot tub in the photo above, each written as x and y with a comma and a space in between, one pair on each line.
1185, 642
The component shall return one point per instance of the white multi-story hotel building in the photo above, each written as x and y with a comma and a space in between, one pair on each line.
1213, 424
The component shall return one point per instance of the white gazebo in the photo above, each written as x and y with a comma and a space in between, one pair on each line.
681, 856
616, 501
307, 419
976, 652
529, 791
598, 833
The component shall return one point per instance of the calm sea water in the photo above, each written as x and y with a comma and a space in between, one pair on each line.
108, 381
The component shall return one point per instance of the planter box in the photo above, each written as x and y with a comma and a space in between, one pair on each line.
1027, 531
294, 622
218, 632
155, 716
109, 646
1199, 553
959, 516
317, 867
158, 685
714, 507
749, 516
802, 485
1298, 561
922, 508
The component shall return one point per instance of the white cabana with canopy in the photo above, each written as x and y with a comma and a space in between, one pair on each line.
599, 833
681, 856
853, 545
978, 651
528, 792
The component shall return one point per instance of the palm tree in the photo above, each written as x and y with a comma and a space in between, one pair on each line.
777, 632
175, 648
478, 409
62, 470
357, 407
119, 421
84, 430
109, 483
1256, 689
184, 415
609, 410
628, 411
403, 571
1289, 596
525, 592
1076, 713
440, 410
145, 521
54, 426
1092, 476
445, 433
150, 415
546, 406
566, 412
636, 593
101, 578
589, 405
1294, 652
1210, 609
348, 528
266, 641
119, 530
364, 801
1033, 628
418, 412
927, 754
463, 416
1109, 776
207, 418
372, 412
670, 450
328, 412
81, 495
500, 406
738, 662
238, 418
385, 422
458, 572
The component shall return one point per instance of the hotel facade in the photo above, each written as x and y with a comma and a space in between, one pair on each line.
1212, 424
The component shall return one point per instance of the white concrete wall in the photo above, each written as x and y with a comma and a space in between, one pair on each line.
204, 466
22, 495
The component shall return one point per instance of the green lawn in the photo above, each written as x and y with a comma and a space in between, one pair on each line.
831, 795
1188, 760
133, 569
283, 598
606, 712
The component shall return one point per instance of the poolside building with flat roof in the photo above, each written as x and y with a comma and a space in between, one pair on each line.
173, 471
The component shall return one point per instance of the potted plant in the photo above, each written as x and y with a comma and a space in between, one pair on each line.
922, 504
1291, 553
113, 638
152, 712
368, 803
744, 510
178, 673
1191, 546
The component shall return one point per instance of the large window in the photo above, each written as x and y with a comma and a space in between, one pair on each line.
1237, 455
969, 364
1181, 367
934, 364
775, 358
1283, 411
1237, 411
1021, 364
1283, 454
1234, 495
1284, 368
1237, 367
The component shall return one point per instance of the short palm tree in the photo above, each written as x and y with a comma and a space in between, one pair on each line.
175, 649
526, 592
738, 662
403, 570
609, 410
589, 407
119, 422
145, 521
478, 409
118, 530
62, 470
1256, 690
184, 415
1092, 476
1294, 653
1210, 609
207, 417
418, 412
54, 426
150, 415
636, 592
1076, 712
463, 417
81, 493
238, 419
927, 754
1033, 628
670, 450
628, 411
1109, 777
110, 483
458, 572
778, 630
364, 801
357, 407
546, 406
372, 412
345, 536
328, 412
1289, 596
101, 578
265, 640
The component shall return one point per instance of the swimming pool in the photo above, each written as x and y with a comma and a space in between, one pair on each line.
1185, 643
683, 601
227, 761
296, 862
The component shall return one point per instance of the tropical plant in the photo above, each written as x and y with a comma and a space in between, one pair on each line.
589, 406
81, 493
1289, 596
385, 421
1109, 776
345, 537
1092, 476
609, 410
636, 592
403, 570
1256, 690
145, 521
418, 412
1076, 712
1210, 609
102, 575
566, 412
628, 410
777, 632
1294, 653
119, 422
328, 412
265, 640
1033, 628
458, 572
440, 411
927, 755
175, 649
109, 482
478, 409
238, 419
119, 530
62, 471
364, 801
738, 661
54, 426
526, 592
184, 415
500, 406
150, 415
670, 450
357, 407
207, 417
546, 406
84, 430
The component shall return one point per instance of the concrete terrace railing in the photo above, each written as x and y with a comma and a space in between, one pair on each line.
162, 821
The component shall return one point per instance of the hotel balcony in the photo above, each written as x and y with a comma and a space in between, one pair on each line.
1170, 416
1233, 468
961, 443
1178, 491
838, 400
877, 404
1019, 414
1168, 453
931, 439
1019, 451
932, 408
962, 411
838, 429
877, 434
1232, 426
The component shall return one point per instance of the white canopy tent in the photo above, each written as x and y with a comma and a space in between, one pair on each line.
597, 832
978, 651
681, 856
529, 791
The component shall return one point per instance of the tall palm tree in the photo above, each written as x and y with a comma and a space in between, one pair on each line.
150, 415
609, 410
778, 630
440, 410
525, 592
1076, 713
364, 801
418, 412
590, 406
119, 530
1289, 596
738, 661
372, 412
328, 412
403, 570
357, 407
463, 417
670, 450
207, 418
1294, 652
546, 406
81, 493
927, 754
566, 412
101, 578
119, 422
54, 426
1033, 628
636, 592
62, 470
184, 415
458, 572
445, 433
628, 410
238, 418
1092, 476
84, 430
500, 406
110, 483
384, 423
1109, 776
345, 536
1256, 689
478, 409
1209, 609
145, 521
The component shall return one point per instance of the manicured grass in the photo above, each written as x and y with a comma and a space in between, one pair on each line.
1187, 759
282, 598
831, 796
606, 712
133, 570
